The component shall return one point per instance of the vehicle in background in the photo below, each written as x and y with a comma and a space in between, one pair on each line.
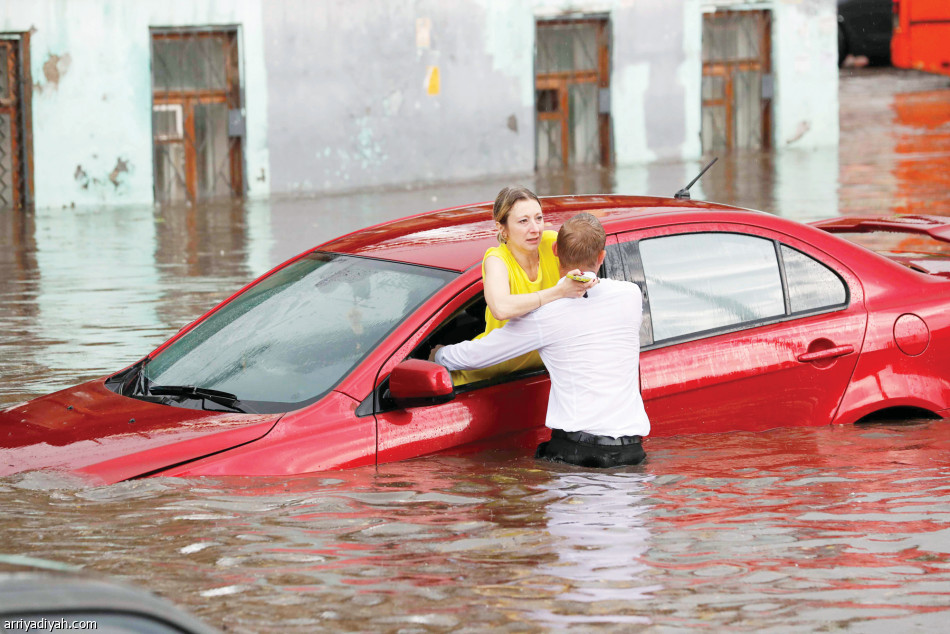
922, 35
44, 602
864, 29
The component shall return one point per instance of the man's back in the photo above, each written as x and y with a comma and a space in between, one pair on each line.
590, 346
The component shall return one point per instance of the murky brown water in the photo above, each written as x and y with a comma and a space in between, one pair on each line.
790, 530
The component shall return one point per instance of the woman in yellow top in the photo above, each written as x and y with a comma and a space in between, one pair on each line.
521, 274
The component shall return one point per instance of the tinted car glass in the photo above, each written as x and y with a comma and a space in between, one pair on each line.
703, 281
811, 284
294, 335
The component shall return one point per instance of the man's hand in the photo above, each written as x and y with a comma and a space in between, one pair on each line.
572, 288
433, 351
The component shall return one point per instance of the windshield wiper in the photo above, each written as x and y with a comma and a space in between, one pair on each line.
225, 399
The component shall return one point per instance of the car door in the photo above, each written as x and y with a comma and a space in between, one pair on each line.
504, 412
745, 329
512, 407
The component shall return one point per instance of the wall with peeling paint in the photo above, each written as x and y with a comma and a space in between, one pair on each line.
353, 102
92, 100
355, 108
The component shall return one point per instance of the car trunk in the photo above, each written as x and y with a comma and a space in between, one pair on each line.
921, 243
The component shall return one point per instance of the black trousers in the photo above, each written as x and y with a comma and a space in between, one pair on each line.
589, 450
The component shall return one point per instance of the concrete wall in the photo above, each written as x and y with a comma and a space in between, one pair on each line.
355, 101
92, 96
352, 104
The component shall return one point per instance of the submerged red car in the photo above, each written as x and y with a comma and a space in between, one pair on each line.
751, 322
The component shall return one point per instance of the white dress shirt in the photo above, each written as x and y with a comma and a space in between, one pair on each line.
591, 348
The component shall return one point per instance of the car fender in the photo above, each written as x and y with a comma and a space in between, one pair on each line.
887, 376
323, 436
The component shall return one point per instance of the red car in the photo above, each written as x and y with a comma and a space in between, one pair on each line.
751, 322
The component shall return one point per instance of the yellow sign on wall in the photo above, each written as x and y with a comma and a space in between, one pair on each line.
432, 80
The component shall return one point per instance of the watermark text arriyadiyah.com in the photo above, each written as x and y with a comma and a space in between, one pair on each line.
49, 625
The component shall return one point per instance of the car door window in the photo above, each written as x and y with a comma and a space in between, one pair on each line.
811, 284
706, 281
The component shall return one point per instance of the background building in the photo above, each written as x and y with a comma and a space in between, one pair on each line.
111, 102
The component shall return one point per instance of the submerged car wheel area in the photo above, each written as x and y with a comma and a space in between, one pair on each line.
750, 322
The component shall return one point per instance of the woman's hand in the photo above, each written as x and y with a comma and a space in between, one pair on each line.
566, 287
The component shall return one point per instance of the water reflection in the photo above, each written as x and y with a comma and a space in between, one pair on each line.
791, 530
923, 146
600, 524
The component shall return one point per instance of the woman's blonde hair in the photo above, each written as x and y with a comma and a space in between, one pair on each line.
505, 200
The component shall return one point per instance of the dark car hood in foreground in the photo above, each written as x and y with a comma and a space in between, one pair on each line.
91, 430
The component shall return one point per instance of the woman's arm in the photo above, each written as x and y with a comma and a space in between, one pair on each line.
504, 305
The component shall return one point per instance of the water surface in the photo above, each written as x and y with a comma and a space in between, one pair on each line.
819, 529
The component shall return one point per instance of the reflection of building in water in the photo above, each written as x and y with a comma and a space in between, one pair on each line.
19, 279
599, 527
923, 152
96, 278
208, 99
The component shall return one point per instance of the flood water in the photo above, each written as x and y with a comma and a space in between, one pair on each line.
820, 529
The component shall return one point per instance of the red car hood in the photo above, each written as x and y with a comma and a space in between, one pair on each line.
93, 431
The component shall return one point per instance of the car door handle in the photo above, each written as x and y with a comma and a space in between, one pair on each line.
830, 353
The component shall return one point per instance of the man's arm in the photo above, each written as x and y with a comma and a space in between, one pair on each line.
517, 337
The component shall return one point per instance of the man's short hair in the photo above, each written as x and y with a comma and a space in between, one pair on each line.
580, 241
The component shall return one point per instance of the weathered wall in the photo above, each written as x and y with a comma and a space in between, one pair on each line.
92, 102
354, 103
351, 105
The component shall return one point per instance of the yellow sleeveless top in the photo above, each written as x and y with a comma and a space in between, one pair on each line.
519, 284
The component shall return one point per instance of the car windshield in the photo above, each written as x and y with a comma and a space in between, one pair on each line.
294, 335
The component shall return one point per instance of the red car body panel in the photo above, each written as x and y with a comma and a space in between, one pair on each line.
888, 347
325, 435
699, 385
92, 430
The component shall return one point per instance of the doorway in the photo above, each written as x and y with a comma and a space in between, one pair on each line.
16, 184
572, 92
737, 81
197, 115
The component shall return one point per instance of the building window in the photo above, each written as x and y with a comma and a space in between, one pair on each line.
572, 93
197, 115
16, 178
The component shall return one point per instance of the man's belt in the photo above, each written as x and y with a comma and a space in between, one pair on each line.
594, 439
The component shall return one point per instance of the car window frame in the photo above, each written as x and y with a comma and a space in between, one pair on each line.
634, 272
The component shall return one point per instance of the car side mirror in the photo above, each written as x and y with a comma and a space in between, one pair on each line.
415, 382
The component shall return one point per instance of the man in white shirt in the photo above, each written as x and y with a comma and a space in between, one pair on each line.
590, 346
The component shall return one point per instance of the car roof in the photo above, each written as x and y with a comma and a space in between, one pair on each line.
456, 238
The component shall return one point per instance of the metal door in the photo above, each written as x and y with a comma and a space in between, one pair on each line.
572, 93
15, 183
737, 81
197, 120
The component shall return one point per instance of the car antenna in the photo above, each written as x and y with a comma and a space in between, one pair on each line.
683, 194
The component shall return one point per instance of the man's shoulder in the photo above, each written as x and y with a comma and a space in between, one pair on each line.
619, 287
